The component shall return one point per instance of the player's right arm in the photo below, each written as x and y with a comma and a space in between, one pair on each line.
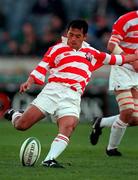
117, 36
114, 48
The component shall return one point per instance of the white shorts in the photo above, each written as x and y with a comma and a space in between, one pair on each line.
122, 78
58, 100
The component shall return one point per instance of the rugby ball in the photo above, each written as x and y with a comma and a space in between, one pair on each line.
30, 151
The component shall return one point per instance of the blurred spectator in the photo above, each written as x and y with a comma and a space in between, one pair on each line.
57, 25
8, 46
50, 7
2, 20
101, 25
43, 10
80, 8
17, 12
120, 7
48, 20
99, 31
46, 40
12, 48
27, 40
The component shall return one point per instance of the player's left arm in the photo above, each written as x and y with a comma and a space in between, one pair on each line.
111, 59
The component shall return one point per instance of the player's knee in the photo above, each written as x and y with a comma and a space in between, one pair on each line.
70, 127
127, 114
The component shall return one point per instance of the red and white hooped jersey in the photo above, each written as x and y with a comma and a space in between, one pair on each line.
125, 32
70, 67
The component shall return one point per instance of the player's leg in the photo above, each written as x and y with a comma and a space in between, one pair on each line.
66, 126
67, 118
24, 120
134, 119
126, 107
97, 125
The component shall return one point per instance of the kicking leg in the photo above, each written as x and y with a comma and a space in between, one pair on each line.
24, 120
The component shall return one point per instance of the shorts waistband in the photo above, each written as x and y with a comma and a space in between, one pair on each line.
63, 84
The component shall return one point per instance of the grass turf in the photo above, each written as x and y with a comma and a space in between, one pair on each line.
81, 160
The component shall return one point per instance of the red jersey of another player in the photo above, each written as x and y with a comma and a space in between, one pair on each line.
125, 32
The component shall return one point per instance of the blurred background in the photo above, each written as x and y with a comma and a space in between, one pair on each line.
29, 27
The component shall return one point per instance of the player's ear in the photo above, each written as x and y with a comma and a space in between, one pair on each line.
85, 37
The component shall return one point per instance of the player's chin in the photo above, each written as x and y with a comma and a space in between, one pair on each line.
135, 66
136, 70
73, 45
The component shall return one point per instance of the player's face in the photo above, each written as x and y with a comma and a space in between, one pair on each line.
75, 38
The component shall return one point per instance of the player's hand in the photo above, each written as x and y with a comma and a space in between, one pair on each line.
24, 87
136, 53
135, 63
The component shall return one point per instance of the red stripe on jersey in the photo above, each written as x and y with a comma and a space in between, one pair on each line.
131, 40
128, 50
128, 97
100, 56
62, 80
37, 81
83, 84
112, 60
133, 28
55, 50
75, 70
41, 69
126, 103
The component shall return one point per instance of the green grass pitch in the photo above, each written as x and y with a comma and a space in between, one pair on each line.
81, 160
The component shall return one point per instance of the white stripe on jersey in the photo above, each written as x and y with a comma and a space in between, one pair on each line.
56, 47
38, 75
132, 22
132, 34
107, 59
129, 45
78, 87
44, 65
119, 59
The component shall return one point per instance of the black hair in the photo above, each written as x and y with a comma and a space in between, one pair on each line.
79, 24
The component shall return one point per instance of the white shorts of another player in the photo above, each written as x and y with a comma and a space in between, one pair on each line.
122, 78
58, 100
